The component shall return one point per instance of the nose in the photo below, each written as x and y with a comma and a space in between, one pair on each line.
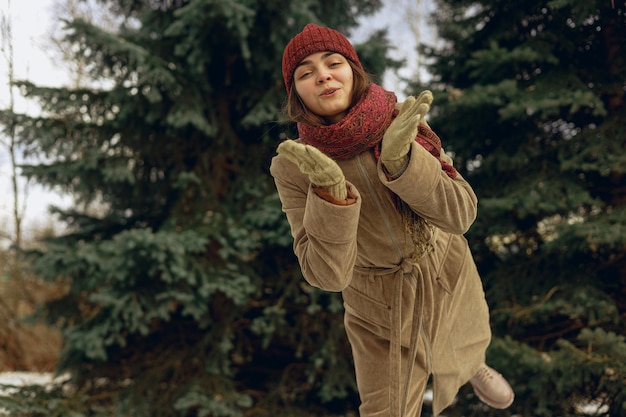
323, 77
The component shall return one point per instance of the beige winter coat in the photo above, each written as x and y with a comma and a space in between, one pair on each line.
436, 307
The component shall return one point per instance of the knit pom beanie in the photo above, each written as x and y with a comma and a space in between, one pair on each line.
312, 39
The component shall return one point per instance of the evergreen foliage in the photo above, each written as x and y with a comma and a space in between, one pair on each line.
183, 294
531, 102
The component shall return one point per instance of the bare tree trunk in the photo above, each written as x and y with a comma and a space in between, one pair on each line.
6, 35
23, 346
415, 20
11, 289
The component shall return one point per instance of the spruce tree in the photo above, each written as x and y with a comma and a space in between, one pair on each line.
183, 296
531, 103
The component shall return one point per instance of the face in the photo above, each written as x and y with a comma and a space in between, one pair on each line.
324, 82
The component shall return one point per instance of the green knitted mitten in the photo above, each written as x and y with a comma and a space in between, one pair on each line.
401, 133
322, 170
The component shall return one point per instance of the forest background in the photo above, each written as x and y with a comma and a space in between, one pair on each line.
173, 289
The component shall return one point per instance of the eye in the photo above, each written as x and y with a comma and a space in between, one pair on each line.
303, 74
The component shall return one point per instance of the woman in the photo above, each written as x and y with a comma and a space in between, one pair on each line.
378, 212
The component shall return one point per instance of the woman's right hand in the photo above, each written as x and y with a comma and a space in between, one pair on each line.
402, 132
321, 169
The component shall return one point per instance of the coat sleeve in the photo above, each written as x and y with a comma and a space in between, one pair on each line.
324, 233
449, 204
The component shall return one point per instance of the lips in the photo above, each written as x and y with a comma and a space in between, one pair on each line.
329, 91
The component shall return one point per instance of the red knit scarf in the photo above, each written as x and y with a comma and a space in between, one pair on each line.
364, 127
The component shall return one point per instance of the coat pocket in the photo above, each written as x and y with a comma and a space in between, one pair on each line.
369, 299
451, 264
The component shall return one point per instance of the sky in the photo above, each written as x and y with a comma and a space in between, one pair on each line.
404, 20
33, 59
31, 20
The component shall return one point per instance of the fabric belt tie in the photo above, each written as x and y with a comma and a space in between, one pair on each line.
398, 395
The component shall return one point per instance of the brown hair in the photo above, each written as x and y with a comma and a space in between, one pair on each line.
296, 111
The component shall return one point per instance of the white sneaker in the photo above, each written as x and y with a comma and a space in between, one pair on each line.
492, 388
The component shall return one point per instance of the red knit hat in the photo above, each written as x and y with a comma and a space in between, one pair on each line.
312, 39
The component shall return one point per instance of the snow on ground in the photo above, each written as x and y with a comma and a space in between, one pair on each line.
18, 379
14, 380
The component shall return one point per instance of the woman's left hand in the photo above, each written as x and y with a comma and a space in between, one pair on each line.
399, 135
